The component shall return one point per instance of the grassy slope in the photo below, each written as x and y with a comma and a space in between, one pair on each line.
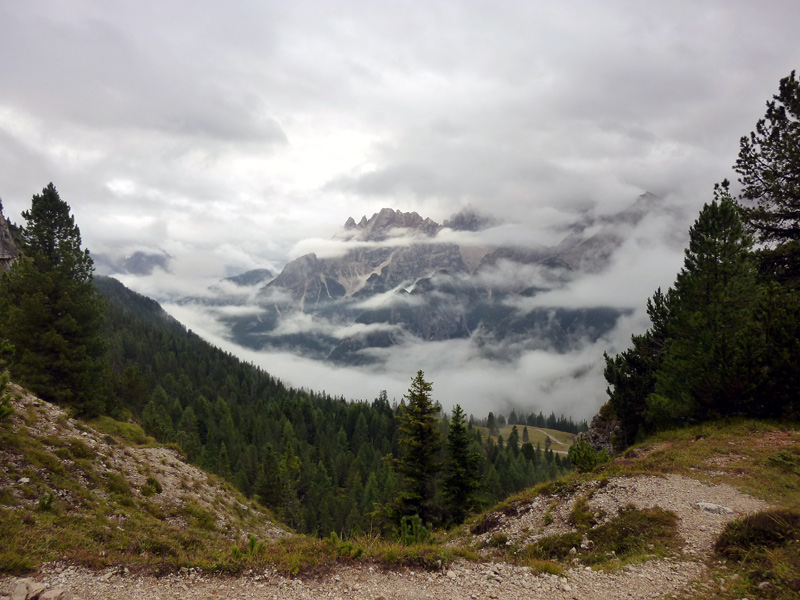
100, 515
561, 440
760, 458
107, 494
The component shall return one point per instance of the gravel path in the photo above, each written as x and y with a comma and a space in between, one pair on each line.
463, 580
703, 511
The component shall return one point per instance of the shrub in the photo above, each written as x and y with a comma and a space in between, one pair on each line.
635, 530
412, 531
553, 547
768, 529
582, 516
342, 548
766, 546
6, 410
46, 501
584, 457
117, 484
152, 486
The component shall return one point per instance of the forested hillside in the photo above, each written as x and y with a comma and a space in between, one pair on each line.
317, 460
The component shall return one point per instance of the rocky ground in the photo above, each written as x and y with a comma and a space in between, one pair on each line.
703, 510
181, 484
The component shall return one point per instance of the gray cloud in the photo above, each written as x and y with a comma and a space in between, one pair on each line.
226, 135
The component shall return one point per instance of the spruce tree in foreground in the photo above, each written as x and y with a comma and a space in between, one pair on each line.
51, 312
420, 445
462, 468
713, 332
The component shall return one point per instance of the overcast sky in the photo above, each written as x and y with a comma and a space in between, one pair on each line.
228, 133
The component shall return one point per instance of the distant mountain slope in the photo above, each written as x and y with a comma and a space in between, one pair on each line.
399, 279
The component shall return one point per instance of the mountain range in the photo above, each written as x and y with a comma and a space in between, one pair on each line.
399, 277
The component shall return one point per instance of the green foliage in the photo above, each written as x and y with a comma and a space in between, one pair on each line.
632, 373
412, 531
554, 547
252, 548
632, 534
707, 370
118, 484
765, 546
420, 443
787, 460
584, 457
581, 515
151, 487
51, 312
462, 468
6, 410
634, 531
200, 516
46, 501
343, 548
332, 476
769, 164
722, 342
130, 432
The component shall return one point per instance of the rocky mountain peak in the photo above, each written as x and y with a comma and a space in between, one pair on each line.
379, 226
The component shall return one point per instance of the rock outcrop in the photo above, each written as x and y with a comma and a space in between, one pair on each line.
8, 247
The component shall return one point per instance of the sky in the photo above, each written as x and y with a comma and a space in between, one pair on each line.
233, 135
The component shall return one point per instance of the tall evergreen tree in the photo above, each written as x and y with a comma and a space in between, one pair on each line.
769, 166
420, 445
51, 312
462, 468
713, 331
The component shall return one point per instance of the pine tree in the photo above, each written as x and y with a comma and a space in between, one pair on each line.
51, 312
491, 424
420, 443
462, 468
713, 331
769, 165
632, 373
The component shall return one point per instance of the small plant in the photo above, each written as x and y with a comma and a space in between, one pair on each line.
787, 460
6, 410
252, 548
547, 519
633, 532
152, 486
117, 484
344, 549
554, 547
204, 519
584, 457
582, 516
46, 502
412, 531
